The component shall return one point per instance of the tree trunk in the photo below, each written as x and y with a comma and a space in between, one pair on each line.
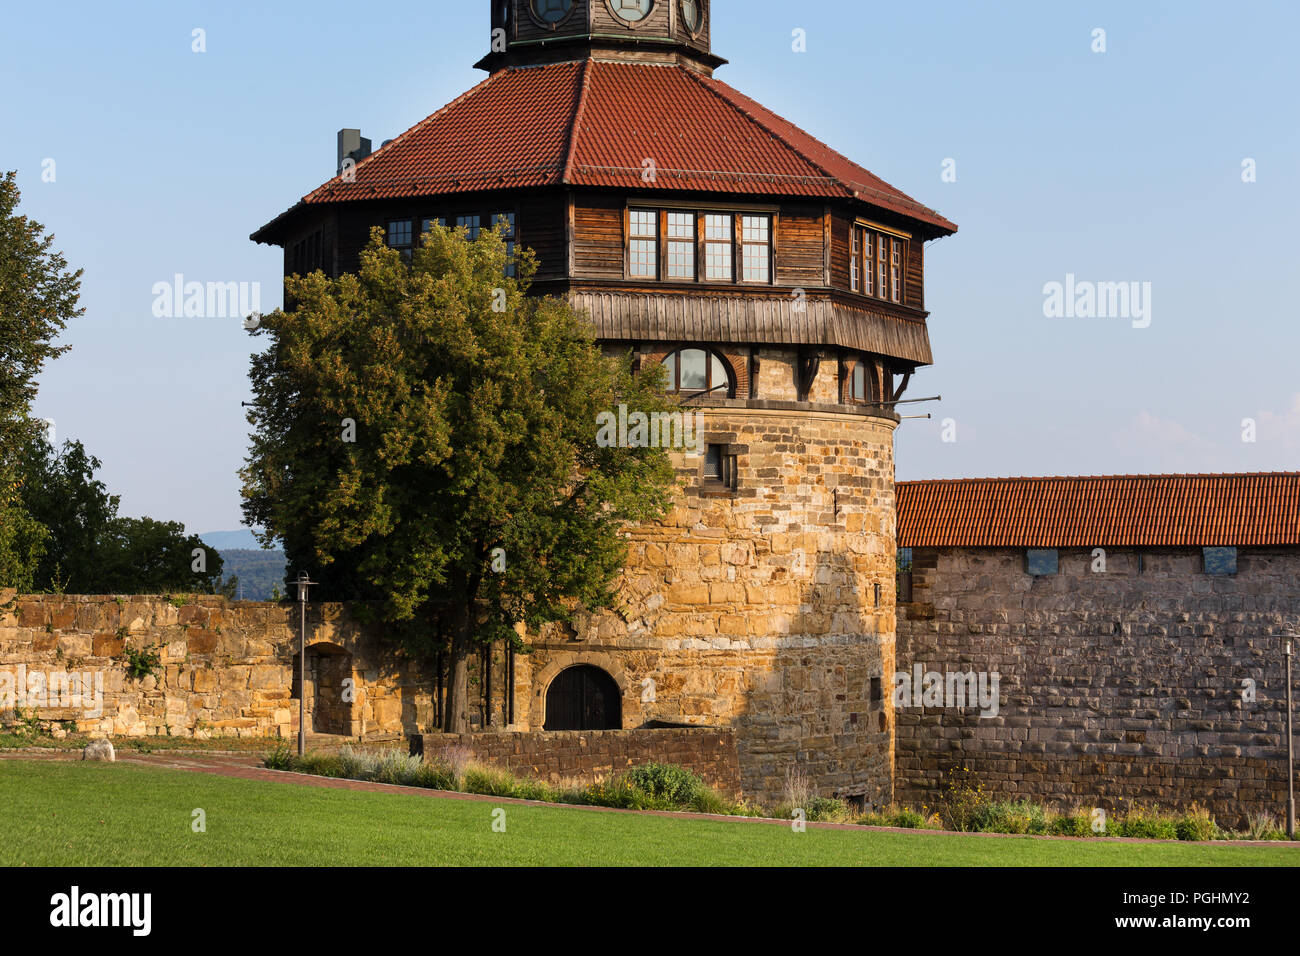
456, 718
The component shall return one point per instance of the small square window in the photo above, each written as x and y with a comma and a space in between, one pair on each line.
1219, 560
713, 462
1041, 561
719, 467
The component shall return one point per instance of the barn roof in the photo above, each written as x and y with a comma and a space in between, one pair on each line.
597, 123
1124, 510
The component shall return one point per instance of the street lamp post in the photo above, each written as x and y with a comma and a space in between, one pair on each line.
304, 582
1290, 751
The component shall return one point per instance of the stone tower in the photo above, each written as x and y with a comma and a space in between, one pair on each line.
782, 285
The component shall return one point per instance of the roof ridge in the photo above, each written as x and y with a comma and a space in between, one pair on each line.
759, 123
482, 84
578, 112
1129, 477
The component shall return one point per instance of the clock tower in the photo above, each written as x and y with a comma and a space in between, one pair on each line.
530, 32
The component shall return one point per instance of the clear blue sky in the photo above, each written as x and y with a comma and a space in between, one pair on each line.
1115, 166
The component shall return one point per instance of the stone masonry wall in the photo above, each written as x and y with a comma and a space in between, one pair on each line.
769, 609
227, 669
591, 755
1117, 688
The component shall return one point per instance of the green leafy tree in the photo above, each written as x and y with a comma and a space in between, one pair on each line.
89, 549
38, 295
473, 495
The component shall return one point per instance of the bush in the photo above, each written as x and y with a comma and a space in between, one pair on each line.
1262, 826
1146, 824
281, 758
491, 781
826, 810
964, 804
1076, 823
902, 817
322, 765
1196, 825
1017, 816
664, 781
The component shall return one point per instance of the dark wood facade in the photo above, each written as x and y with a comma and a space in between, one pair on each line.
815, 294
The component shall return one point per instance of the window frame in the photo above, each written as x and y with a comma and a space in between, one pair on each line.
733, 218
675, 372
878, 262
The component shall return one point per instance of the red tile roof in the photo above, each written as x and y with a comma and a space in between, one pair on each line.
1124, 510
595, 123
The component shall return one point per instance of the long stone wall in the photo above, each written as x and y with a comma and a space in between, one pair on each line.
595, 754
225, 669
1128, 686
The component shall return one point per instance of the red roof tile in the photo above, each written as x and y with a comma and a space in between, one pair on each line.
1123, 510
594, 123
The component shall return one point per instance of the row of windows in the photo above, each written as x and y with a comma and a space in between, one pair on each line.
876, 264
696, 371
401, 233
1044, 561
684, 246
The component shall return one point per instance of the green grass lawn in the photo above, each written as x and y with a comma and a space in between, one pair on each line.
63, 813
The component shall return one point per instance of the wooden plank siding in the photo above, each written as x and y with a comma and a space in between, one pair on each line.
645, 316
598, 223
799, 253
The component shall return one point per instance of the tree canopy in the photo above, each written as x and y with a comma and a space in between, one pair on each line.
38, 295
424, 437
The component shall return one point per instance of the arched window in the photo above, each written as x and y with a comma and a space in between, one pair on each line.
692, 371
583, 698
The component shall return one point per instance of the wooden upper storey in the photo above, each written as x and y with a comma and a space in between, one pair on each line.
667, 203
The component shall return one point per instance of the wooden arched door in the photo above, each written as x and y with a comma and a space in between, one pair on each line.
583, 698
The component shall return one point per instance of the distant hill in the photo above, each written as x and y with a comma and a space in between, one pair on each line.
258, 571
221, 540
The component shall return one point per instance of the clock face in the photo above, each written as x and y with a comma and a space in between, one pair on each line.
633, 10
551, 11
693, 14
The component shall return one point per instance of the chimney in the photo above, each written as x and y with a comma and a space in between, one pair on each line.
352, 145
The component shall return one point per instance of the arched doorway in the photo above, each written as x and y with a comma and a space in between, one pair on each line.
330, 689
583, 698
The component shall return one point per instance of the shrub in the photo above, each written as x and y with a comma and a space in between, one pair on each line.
142, 662
491, 781
665, 781
281, 758
1262, 826
826, 810
903, 817
322, 765
1017, 816
1196, 824
908, 819
1146, 824
1076, 823
964, 803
